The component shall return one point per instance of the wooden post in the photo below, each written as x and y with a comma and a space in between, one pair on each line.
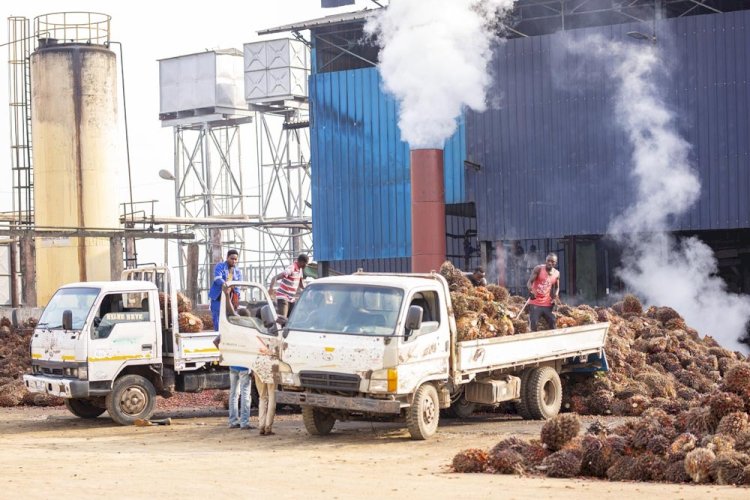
115, 257
28, 270
191, 273
13, 273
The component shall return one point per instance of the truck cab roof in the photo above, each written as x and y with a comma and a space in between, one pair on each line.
113, 286
403, 281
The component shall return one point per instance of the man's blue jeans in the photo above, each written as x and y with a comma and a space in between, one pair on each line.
239, 379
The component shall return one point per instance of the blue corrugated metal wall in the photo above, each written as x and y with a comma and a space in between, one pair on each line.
553, 162
360, 169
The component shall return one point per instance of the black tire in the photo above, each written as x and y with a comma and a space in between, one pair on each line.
463, 409
522, 407
132, 397
544, 394
423, 415
317, 422
83, 408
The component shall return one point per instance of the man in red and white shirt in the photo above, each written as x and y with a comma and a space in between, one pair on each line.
290, 280
544, 287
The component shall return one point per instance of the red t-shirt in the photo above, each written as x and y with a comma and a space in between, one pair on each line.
542, 286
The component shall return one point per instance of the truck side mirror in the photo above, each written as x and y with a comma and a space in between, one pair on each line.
267, 316
413, 319
67, 319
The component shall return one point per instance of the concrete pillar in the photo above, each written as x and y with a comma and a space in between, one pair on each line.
115, 257
28, 270
191, 273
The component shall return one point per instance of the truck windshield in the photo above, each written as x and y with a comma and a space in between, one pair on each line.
77, 300
347, 308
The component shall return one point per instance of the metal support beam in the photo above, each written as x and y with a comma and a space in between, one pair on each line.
115, 257
28, 270
191, 273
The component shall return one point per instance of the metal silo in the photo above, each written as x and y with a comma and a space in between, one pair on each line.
75, 145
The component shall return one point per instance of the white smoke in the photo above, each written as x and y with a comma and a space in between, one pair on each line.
434, 61
660, 268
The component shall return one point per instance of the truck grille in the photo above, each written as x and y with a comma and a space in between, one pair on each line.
329, 381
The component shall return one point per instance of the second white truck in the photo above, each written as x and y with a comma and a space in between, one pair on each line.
385, 346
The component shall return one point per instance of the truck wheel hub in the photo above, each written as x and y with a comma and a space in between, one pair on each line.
428, 410
133, 400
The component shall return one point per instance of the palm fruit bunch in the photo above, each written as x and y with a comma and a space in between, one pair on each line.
506, 461
184, 304
189, 322
728, 468
207, 318
559, 430
698, 464
471, 460
563, 463
734, 424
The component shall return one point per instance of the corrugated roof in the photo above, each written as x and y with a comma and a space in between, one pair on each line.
346, 17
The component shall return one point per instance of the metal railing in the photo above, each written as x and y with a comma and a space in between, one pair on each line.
73, 27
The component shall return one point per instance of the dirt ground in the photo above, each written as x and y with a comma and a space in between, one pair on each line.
46, 452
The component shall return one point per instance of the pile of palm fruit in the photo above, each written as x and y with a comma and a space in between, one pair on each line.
189, 321
711, 446
655, 359
15, 345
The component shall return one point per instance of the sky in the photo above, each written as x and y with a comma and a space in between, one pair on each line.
148, 33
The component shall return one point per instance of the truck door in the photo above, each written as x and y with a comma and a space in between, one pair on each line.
425, 352
243, 335
123, 332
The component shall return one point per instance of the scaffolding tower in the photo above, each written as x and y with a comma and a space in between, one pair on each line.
19, 89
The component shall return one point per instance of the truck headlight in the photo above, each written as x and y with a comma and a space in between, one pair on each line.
284, 375
384, 380
83, 373
70, 372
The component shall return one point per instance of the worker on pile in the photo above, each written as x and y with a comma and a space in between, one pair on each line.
477, 277
224, 273
291, 279
544, 288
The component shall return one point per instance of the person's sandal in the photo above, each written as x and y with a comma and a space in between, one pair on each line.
269, 432
262, 431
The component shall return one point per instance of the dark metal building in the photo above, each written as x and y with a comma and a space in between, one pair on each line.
498, 164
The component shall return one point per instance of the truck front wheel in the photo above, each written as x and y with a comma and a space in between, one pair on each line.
424, 413
132, 397
544, 394
317, 422
83, 408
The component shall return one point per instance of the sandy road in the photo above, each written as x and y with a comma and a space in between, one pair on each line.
47, 452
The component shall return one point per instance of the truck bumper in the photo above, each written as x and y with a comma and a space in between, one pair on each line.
338, 402
61, 387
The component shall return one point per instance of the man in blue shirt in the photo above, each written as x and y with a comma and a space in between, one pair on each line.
224, 273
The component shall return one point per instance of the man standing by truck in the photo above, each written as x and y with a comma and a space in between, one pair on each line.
544, 288
224, 273
291, 279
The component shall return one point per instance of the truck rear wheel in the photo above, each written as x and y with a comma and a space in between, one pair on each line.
132, 397
317, 422
424, 413
83, 408
462, 408
522, 407
544, 394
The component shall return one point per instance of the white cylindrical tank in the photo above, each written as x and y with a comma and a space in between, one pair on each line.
76, 154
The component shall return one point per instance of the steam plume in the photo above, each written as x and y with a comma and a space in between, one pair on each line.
434, 61
662, 269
